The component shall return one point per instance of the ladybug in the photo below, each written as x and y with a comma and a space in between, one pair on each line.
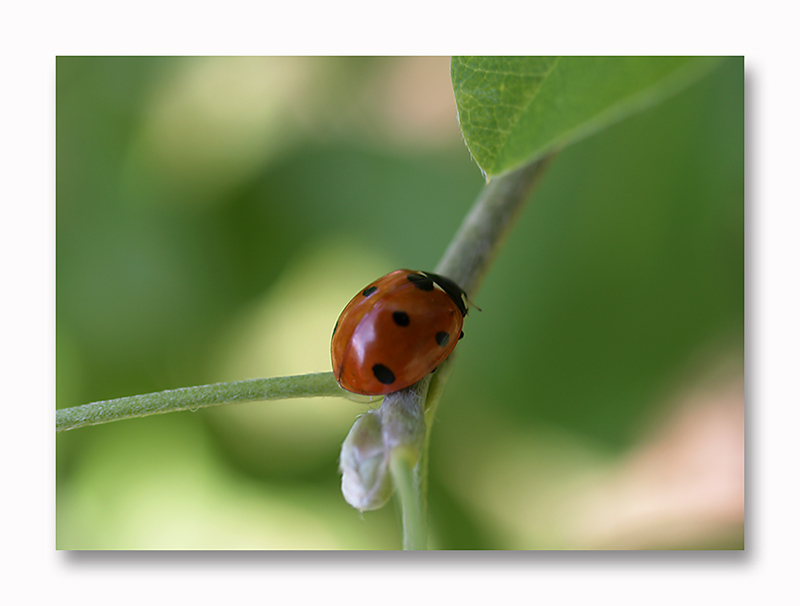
396, 331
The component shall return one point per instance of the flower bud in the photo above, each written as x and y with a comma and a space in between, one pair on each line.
364, 462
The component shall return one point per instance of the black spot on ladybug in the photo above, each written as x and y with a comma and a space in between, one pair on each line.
368, 291
461, 336
401, 318
421, 281
442, 338
383, 374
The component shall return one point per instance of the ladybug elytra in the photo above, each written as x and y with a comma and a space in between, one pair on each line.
396, 331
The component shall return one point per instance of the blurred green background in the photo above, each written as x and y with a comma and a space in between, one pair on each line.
213, 217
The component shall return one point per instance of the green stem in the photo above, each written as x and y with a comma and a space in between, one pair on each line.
404, 469
483, 230
466, 261
431, 403
193, 398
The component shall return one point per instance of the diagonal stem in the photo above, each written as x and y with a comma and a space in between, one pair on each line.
466, 261
202, 396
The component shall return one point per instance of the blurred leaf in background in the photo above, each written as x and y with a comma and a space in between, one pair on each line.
213, 217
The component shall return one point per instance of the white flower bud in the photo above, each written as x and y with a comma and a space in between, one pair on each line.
364, 462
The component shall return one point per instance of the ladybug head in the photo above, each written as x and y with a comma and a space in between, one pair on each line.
454, 290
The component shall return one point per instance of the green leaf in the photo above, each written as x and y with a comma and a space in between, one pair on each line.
513, 110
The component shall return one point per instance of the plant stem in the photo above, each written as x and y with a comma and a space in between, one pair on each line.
193, 398
483, 230
404, 468
466, 262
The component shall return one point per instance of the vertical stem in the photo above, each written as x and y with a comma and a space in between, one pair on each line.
406, 478
466, 262
406, 415
404, 429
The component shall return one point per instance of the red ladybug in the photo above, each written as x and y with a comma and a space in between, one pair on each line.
396, 331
